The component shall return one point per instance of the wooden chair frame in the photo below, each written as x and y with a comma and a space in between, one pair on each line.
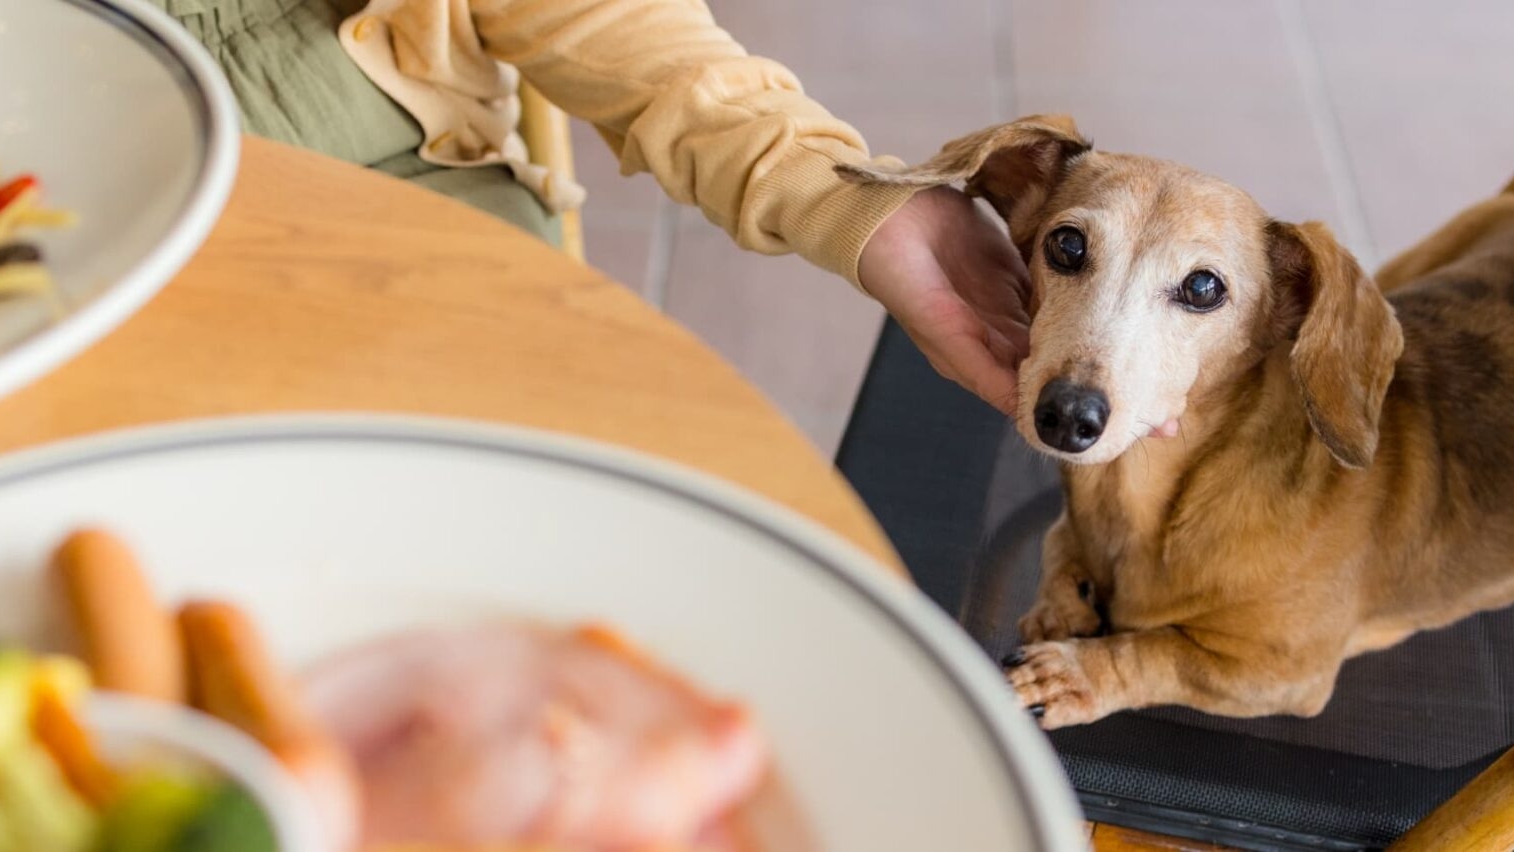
550, 143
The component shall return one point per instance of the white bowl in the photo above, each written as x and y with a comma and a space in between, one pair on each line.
127, 121
132, 731
892, 731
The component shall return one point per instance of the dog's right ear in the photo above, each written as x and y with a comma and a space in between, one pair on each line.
1015, 166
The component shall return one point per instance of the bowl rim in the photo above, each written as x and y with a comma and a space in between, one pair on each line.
219, 116
1044, 795
225, 748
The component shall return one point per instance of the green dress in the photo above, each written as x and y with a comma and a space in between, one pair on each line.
296, 85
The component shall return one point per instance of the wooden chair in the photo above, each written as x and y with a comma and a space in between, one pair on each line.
549, 140
1480, 817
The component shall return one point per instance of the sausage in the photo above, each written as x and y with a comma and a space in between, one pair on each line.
232, 677
128, 640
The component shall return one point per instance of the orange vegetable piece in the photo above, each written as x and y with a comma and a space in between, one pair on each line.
58, 730
13, 190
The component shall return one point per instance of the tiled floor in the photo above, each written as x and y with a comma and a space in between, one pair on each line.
1381, 117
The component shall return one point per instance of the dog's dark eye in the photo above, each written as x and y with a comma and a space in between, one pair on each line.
1066, 249
1202, 291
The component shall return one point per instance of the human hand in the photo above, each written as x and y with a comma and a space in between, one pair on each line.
950, 276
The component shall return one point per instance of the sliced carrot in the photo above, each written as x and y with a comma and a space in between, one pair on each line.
14, 189
56, 728
617, 643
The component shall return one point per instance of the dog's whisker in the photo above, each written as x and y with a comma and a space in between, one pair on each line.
1141, 442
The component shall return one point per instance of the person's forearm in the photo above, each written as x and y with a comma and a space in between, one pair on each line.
676, 96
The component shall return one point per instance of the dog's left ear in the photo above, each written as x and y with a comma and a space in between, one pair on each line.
1014, 166
1346, 343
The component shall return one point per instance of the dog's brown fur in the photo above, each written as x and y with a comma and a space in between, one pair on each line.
1345, 474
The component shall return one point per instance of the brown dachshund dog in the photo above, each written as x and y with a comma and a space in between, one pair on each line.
1269, 465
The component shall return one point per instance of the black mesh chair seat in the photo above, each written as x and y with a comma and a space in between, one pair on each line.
966, 504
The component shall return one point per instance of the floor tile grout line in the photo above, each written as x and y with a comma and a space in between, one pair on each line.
663, 240
1332, 143
1002, 86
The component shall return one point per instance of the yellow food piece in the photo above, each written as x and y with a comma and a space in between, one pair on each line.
68, 677
32, 279
43, 217
27, 278
38, 807
15, 697
36, 699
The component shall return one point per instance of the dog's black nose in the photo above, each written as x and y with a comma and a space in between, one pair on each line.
1070, 417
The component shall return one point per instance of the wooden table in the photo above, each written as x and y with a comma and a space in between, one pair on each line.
330, 287
327, 287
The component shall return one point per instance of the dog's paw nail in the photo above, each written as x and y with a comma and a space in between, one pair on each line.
1037, 710
1085, 589
1015, 659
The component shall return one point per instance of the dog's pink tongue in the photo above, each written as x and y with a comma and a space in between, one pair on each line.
1166, 430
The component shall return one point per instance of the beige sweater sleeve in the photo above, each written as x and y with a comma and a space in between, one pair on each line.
675, 95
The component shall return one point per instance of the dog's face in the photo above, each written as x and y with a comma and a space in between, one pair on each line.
1154, 283
1149, 280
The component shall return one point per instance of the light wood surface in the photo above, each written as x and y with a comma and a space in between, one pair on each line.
1479, 817
326, 287
1112, 838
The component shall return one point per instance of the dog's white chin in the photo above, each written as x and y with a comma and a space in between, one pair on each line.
1098, 454
1102, 453
1093, 456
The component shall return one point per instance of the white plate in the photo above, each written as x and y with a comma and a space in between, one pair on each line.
892, 730
127, 121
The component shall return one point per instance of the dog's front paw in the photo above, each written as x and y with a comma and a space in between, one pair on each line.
1053, 684
1059, 618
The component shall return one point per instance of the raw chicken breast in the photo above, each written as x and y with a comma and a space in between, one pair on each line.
523, 733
